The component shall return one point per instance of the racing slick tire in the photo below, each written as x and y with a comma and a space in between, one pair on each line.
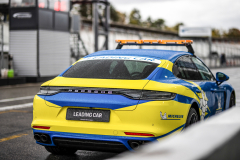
60, 150
192, 117
232, 100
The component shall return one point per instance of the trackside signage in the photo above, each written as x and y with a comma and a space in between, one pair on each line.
153, 60
4, 2
194, 31
22, 15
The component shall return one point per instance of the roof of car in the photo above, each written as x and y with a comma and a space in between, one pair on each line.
150, 53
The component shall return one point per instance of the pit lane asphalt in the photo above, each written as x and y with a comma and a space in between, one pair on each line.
16, 139
17, 142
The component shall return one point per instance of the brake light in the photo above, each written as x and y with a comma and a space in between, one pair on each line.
41, 127
138, 134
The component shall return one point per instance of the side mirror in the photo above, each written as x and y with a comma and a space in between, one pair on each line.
221, 77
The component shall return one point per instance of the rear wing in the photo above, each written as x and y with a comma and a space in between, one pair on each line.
187, 43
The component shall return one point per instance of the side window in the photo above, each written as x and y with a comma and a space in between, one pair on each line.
204, 71
178, 71
185, 69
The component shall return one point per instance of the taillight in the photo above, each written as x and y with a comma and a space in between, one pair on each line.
132, 94
46, 91
41, 127
148, 95
138, 134
157, 95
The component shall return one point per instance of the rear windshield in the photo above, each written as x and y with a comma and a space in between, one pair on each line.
111, 69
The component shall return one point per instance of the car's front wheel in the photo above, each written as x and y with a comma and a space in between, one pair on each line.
60, 150
192, 117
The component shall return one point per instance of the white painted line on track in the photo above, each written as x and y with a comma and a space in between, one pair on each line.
26, 105
16, 99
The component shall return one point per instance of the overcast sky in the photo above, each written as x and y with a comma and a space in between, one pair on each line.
221, 14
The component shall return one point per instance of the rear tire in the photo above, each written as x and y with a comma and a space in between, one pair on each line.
232, 100
60, 150
192, 117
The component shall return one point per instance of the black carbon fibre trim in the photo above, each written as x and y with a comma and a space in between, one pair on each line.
92, 145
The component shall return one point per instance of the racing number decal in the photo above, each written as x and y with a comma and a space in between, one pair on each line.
203, 101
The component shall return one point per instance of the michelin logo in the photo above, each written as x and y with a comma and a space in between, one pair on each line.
153, 60
170, 116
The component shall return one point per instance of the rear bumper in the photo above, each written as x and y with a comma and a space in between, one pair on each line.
145, 118
90, 141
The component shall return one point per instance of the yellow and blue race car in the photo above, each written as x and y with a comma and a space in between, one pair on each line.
117, 100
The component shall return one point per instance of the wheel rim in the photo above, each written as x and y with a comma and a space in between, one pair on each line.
193, 119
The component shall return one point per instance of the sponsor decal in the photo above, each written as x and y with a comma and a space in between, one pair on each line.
163, 116
22, 15
153, 60
170, 116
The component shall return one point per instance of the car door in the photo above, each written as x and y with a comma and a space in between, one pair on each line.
216, 94
185, 69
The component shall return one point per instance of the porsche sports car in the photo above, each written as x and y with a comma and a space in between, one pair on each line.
116, 100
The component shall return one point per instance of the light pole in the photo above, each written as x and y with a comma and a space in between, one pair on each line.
1, 42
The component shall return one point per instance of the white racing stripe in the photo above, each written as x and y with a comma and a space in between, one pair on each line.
16, 99
26, 105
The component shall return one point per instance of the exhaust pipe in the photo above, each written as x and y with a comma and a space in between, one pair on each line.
134, 145
37, 137
44, 138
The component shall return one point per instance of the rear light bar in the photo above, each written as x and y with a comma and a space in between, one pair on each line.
41, 127
138, 134
155, 41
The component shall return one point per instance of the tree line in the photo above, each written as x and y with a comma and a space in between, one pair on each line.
135, 18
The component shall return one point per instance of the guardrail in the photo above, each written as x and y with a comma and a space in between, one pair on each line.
216, 138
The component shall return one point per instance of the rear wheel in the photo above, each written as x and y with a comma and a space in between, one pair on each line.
232, 100
60, 150
192, 117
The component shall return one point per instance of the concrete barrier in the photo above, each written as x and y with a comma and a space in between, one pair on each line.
216, 138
